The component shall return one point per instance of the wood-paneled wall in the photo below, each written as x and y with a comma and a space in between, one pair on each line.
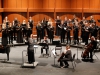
1, 10
39, 9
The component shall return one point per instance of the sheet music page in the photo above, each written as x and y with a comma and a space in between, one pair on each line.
54, 52
35, 46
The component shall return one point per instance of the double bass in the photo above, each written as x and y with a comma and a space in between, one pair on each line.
87, 50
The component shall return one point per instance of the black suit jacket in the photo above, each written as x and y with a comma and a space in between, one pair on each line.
68, 55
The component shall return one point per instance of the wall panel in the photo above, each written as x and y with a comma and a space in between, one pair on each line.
58, 3
19, 4
52, 3
73, 3
5, 3
45, 3
11, 16
31, 3
0, 3
86, 3
79, 4
38, 3
0, 18
11, 4
24, 3
65, 3
94, 4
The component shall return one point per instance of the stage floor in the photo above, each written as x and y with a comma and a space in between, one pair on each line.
44, 67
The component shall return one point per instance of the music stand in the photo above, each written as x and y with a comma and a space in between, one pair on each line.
78, 60
43, 44
57, 42
54, 54
58, 45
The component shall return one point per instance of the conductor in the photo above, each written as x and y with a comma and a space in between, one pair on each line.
31, 57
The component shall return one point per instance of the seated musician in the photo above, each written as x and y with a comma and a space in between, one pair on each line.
65, 57
31, 57
46, 46
94, 45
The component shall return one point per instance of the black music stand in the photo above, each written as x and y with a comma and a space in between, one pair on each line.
56, 42
78, 60
54, 55
44, 44
58, 45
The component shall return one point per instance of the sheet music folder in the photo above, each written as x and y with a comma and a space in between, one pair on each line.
43, 44
57, 42
98, 20
54, 52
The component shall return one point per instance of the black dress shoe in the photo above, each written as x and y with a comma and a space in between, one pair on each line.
65, 66
91, 60
30, 62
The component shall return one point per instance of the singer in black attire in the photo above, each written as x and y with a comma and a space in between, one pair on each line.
68, 32
58, 22
62, 32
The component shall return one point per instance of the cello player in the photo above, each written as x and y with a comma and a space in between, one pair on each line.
66, 56
94, 43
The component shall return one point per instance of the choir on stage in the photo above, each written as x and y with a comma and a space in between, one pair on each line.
64, 29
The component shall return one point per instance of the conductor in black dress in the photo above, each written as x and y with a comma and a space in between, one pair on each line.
31, 57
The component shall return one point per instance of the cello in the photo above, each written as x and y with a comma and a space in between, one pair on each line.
62, 55
87, 50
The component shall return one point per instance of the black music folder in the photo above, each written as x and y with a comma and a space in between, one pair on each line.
43, 44
98, 20
57, 42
